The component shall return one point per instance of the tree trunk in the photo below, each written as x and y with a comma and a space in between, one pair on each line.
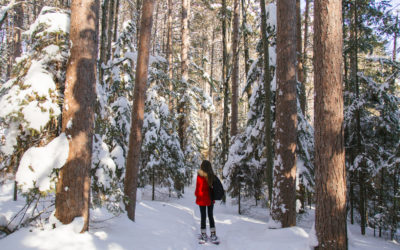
73, 187
17, 51
139, 97
153, 40
235, 70
138, 8
110, 29
169, 53
267, 110
246, 45
211, 95
116, 21
330, 172
184, 70
305, 42
300, 72
284, 197
103, 39
225, 134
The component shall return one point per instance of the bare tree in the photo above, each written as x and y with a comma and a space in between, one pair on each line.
330, 175
139, 97
73, 187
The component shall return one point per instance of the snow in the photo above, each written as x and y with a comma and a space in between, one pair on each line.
56, 21
37, 164
173, 224
11, 133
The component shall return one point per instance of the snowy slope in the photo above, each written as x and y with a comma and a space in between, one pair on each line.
172, 224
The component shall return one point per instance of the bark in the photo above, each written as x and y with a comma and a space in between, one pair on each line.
139, 97
138, 8
18, 28
284, 197
116, 21
169, 53
182, 123
235, 70
330, 215
155, 30
17, 51
267, 110
73, 187
225, 135
305, 40
110, 29
300, 72
211, 95
103, 39
245, 45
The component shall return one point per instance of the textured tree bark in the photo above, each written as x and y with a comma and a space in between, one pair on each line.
225, 134
184, 69
116, 21
284, 194
110, 29
300, 72
17, 51
73, 187
330, 172
267, 110
139, 98
103, 39
211, 95
235, 69
246, 45
169, 53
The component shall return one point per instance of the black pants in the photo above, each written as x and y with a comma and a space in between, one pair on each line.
210, 216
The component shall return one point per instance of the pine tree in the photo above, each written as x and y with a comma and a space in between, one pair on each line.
284, 194
135, 138
330, 215
73, 187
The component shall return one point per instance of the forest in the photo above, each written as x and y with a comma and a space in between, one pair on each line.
106, 105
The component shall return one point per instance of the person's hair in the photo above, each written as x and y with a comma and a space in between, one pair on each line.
206, 167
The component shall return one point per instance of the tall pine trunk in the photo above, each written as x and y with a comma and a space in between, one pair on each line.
103, 39
139, 97
225, 82
73, 187
110, 29
330, 172
17, 51
182, 123
300, 72
116, 21
235, 69
169, 53
246, 46
211, 95
267, 110
284, 194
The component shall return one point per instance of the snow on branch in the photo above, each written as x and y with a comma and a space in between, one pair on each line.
5, 9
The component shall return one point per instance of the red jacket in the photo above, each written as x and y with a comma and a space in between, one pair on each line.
202, 190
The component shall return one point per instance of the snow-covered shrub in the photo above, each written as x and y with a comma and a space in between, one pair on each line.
30, 102
30, 115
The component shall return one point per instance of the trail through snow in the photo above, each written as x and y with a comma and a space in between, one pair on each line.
172, 224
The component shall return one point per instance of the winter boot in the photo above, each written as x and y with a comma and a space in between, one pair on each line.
213, 236
203, 236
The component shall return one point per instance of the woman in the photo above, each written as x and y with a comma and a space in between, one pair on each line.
204, 182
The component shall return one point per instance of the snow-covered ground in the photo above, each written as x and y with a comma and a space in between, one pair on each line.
172, 224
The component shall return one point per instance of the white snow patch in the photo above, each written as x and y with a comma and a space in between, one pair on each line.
38, 163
